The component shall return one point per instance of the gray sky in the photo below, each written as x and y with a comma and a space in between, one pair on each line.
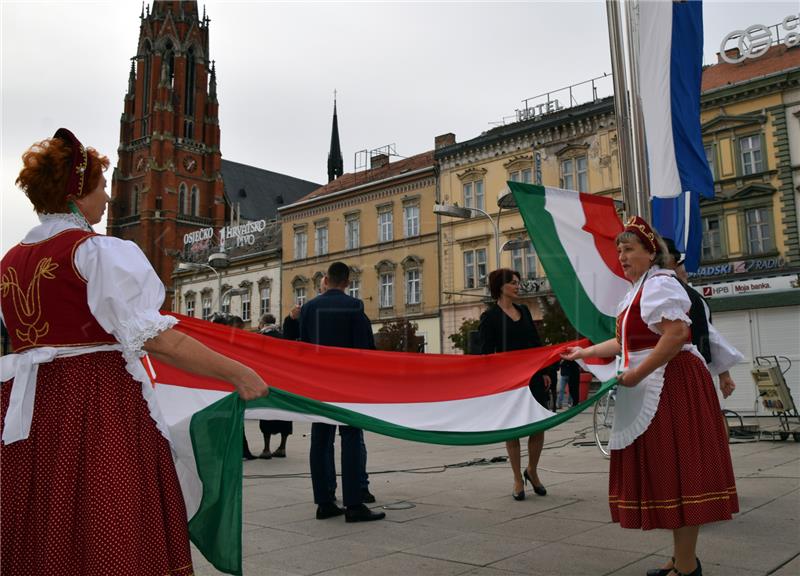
404, 71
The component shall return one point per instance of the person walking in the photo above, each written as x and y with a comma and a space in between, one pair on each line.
507, 326
335, 319
268, 327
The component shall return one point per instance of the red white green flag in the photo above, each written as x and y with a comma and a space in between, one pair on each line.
441, 399
574, 237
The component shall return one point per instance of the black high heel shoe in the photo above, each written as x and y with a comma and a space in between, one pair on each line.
661, 571
519, 495
540, 489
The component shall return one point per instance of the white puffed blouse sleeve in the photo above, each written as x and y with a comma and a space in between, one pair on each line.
663, 298
124, 292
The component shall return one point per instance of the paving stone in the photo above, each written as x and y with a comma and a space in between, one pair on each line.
542, 527
401, 564
478, 549
569, 560
321, 556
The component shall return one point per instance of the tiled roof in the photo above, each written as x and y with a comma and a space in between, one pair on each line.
352, 179
259, 193
776, 59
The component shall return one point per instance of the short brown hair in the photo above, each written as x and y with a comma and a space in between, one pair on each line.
499, 277
45, 171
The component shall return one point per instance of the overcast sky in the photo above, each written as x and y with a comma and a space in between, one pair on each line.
404, 71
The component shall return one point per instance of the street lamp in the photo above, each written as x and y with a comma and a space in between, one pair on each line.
455, 211
514, 244
506, 199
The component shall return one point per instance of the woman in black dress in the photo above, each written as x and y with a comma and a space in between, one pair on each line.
504, 327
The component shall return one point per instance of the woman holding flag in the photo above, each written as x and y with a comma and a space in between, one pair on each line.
670, 462
88, 482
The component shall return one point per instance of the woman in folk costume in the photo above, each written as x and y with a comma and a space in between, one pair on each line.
88, 484
670, 461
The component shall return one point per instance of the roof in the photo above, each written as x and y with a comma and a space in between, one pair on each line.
778, 58
352, 179
259, 193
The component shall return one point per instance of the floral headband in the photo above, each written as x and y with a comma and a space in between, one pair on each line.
79, 165
639, 226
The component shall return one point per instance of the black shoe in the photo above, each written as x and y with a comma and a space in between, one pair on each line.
518, 495
540, 489
361, 513
696, 572
328, 510
660, 571
248, 456
366, 496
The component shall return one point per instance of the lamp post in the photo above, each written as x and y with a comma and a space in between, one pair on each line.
455, 211
198, 266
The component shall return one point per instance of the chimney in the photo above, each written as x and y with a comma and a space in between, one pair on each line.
378, 161
444, 140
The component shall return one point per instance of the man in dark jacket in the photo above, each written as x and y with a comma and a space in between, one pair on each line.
335, 319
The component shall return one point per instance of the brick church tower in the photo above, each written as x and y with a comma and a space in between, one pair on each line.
168, 180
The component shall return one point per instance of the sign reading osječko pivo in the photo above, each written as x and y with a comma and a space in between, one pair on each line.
229, 236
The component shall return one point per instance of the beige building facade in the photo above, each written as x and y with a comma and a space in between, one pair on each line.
379, 222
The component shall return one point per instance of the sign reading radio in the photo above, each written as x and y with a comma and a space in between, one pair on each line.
740, 267
244, 234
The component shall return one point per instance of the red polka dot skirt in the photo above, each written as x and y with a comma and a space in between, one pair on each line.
93, 490
678, 473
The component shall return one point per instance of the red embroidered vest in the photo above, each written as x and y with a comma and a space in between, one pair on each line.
44, 297
638, 335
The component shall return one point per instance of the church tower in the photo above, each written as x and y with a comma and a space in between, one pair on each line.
168, 181
335, 162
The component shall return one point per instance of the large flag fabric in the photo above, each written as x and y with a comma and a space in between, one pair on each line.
670, 57
574, 237
443, 399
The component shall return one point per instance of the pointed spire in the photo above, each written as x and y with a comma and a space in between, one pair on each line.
212, 87
141, 16
335, 161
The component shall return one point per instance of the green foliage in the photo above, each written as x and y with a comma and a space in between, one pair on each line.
399, 336
460, 339
555, 326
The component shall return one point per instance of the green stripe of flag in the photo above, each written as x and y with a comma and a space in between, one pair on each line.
577, 305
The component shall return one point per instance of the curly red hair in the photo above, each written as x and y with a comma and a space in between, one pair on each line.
45, 172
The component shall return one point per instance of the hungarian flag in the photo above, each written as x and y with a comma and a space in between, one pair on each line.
441, 399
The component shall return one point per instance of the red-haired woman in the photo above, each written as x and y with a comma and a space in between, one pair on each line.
88, 483
504, 327
670, 461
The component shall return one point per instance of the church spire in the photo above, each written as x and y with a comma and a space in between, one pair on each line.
335, 162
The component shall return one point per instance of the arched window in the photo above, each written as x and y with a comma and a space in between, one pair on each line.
189, 95
182, 198
194, 202
146, 87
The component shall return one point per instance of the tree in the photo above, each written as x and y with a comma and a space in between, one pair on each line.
399, 336
555, 326
461, 339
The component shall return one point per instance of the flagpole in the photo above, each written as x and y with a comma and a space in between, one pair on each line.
639, 144
621, 106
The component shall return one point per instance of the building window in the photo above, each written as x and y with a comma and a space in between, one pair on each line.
759, 235
321, 239
387, 290
182, 198
750, 149
226, 304
385, 229
473, 195
134, 201
712, 238
194, 202
190, 307
411, 219
265, 293
523, 260
710, 158
300, 244
246, 306
574, 174
352, 229
413, 286
354, 290
206, 302
525, 175
300, 295
475, 268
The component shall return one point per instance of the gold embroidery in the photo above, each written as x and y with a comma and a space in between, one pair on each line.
27, 303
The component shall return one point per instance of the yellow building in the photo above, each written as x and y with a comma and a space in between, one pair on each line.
574, 148
380, 222
750, 269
